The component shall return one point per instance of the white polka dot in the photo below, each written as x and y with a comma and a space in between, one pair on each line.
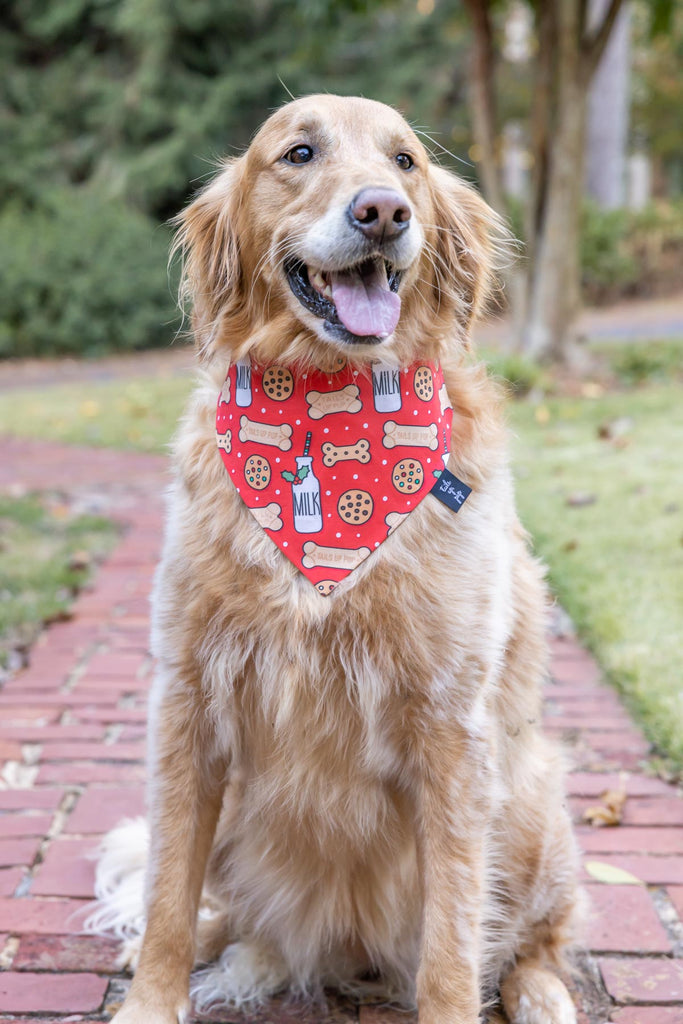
429, 460
376, 479
376, 543
346, 428
385, 498
329, 515
297, 422
414, 412
357, 535
334, 478
285, 543
263, 410
328, 493
326, 430
277, 460
277, 492
239, 455
384, 462
337, 534
365, 426
355, 476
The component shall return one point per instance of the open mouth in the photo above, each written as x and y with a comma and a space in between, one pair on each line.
358, 304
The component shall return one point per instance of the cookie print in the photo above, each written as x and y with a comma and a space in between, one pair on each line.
257, 472
423, 383
355, 507
407, 476
278, 383
326, 467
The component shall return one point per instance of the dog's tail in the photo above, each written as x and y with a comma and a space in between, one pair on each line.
120, 887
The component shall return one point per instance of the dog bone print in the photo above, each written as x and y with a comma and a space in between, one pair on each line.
224, 441
444, 400
344, 400
359, 451
332, 558
268, 517
225, 391
394, 520
266, 433
396, 434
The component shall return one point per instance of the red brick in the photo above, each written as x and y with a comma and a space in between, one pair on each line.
622, 919
613, 722
577, 670
10, 750
67, 953
651, 870
114, 716
94, 752
86, 772
594, 783
10, 879
48, 733
625, 839
66, 871
17, 851
117, 664
621, 742
43, 917
14, 711
99, 809
643, 981
15, 825
649, 1015
30, 799
52, 993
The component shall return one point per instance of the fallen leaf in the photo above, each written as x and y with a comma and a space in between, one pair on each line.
580, 498
611, 810
591, 389
609, 874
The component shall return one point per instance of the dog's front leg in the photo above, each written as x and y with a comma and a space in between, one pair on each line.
187, 782
451, 811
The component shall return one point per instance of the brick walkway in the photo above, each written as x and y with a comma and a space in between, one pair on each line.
72, 744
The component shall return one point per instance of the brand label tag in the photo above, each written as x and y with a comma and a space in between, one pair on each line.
451, 491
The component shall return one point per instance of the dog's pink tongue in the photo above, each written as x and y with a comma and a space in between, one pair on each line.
365, 304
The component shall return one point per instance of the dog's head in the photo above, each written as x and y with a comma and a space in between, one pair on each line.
335, 229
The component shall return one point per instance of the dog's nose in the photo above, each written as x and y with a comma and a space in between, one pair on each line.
380, 213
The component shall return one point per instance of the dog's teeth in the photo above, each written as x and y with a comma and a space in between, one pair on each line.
327, 291
317, 280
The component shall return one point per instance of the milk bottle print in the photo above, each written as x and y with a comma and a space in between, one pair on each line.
308, 517
386, 387
243, 382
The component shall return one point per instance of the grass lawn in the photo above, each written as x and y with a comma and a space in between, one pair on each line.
600, 488
606, 515
46, 555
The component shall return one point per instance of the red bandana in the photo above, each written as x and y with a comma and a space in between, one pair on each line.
330, 462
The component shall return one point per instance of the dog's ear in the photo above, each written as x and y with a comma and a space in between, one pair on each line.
207, 240
468, 236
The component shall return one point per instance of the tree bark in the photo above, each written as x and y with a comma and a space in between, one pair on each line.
482, 98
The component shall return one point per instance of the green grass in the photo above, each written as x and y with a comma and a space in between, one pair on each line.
141, 413
616, 564
46, 555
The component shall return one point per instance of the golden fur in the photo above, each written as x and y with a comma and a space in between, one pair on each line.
358, 782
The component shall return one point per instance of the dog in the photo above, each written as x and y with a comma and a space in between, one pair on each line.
348, 783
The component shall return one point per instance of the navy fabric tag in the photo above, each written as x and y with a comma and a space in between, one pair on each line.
451, 491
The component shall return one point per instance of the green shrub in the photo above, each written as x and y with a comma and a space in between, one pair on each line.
84, 275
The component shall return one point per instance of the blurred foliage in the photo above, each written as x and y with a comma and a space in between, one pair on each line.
629, 252
81, 274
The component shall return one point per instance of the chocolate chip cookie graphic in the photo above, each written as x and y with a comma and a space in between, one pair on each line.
278, 383
355, 507
257, 472
424, 384
407, 476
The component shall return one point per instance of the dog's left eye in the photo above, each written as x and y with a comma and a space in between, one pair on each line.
405, 161
299, 155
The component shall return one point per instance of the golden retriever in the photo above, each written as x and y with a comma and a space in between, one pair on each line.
351, 789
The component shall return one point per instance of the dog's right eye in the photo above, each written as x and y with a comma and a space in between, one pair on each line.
299, 155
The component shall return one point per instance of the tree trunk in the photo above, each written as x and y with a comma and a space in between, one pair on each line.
482, 100
554, 273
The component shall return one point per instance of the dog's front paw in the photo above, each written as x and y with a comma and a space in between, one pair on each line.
135, 1011
533, 995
